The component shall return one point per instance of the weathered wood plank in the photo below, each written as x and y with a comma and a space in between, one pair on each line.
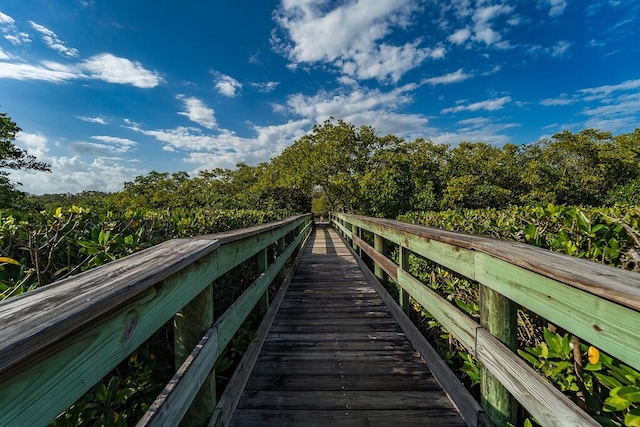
548, 405
321, 418
231, 397
613, 284
466, 404
455, 321
337, 382
346, 400
605, 324
313, 364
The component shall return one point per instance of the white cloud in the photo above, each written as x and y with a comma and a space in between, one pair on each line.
488, 105
46, 71
351, 37
122, 142
5, 56
557, 7
74, 175
114, 69
343, 104
11, 32
53, 41
106, 67
460, 36
265, 87
454, 77
560, 48
6, 19
198, 112
34, 143
609, 89
482, 18
557, 101
99, 120
225, 148
227, 85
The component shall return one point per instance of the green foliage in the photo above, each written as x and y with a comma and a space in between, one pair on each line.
608, 389
12, 157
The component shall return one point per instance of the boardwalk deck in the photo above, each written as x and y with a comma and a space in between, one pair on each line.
335, 355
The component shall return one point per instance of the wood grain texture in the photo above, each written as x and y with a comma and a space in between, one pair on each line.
466, 404
63, 338
613, 284
324, 357
548, 405
607, 325
455, 321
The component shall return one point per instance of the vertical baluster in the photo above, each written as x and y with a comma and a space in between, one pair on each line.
190, 325
498, 315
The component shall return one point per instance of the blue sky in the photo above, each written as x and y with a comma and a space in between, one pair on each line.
108, 90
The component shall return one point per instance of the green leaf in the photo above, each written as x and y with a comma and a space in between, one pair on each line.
630, 393
614, 402
632, 419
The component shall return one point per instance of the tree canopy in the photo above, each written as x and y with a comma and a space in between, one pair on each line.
12, 157
340, 166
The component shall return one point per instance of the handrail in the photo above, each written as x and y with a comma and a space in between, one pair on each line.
597, 303
59, 340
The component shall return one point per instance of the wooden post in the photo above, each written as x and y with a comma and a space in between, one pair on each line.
358, 232
498, 315
263, 263
190, 325
354, 232
378, 244
405, 303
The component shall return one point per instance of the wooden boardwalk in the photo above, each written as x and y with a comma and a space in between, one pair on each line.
335, 355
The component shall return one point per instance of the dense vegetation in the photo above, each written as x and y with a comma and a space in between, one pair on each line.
576, 193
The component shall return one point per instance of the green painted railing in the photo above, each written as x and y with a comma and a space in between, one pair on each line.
597, 303
58, 341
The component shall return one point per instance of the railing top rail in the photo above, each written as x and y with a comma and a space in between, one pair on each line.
613, 284
32, 321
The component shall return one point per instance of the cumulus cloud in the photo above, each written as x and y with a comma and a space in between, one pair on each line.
224, 148
5, 56
53, 41
488, 105
74, 175
34, 143
454, 77
482, 17
113, 69
351, 37
105, 67
227, 85
198, 112
460, 36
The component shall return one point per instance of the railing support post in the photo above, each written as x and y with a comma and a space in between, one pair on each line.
498, 315
378, 245
190, 325
263, 263
405, 303
355, 231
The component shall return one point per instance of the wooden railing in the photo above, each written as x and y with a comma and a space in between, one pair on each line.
58, 341
599, 304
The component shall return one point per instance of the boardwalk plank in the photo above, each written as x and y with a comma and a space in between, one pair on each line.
335, 355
